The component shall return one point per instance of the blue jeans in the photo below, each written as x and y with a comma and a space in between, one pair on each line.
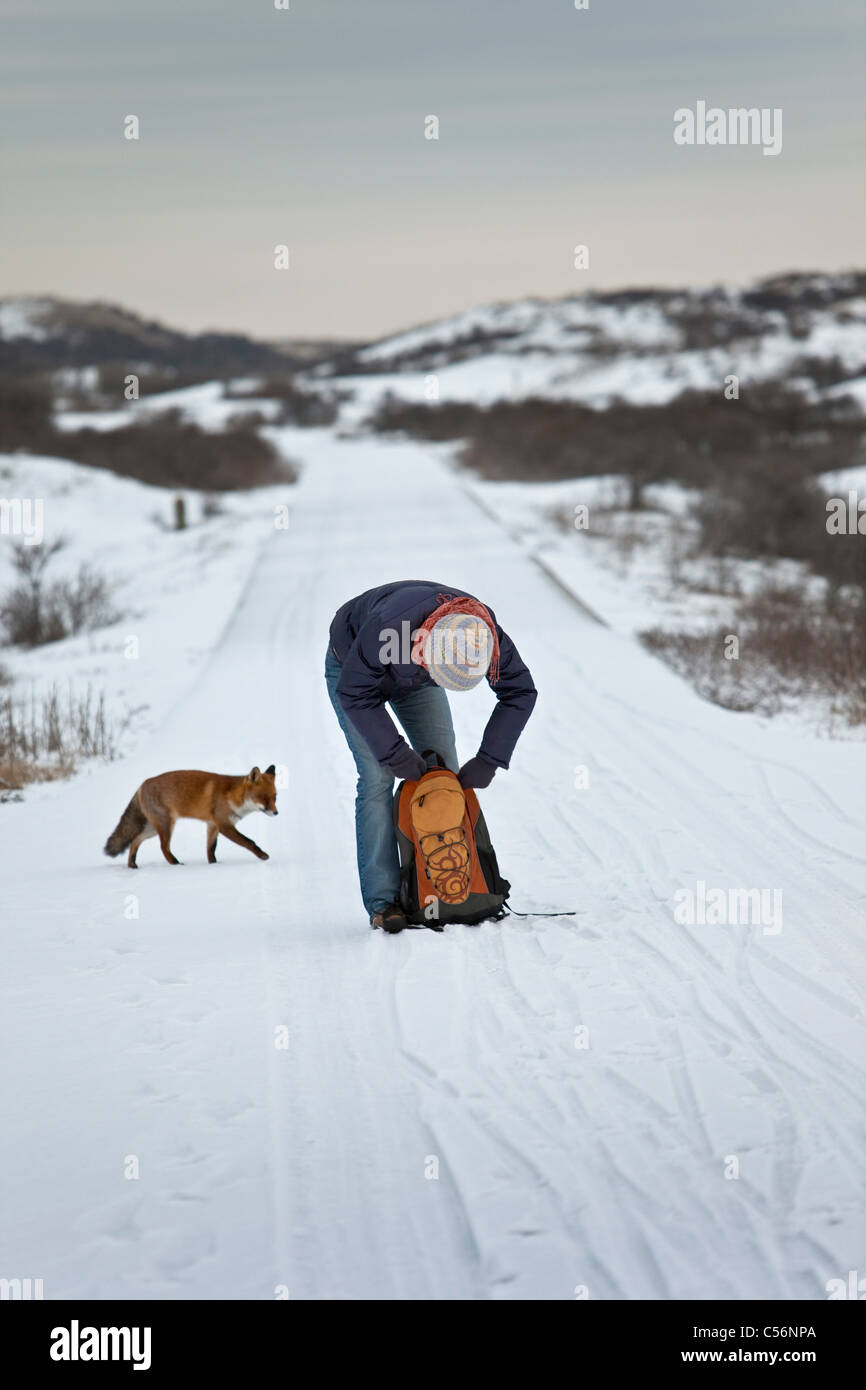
426, 719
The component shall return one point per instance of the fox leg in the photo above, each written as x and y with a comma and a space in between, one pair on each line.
213, 831
146, 834
226, 828
164, 826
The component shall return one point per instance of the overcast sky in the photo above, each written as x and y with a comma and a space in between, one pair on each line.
306, 127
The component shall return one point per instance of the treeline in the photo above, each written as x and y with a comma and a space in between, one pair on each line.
164, 450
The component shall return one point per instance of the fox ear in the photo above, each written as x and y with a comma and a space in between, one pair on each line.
270, 771
255, 775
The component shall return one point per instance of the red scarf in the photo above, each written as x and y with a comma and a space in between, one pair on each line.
473, 609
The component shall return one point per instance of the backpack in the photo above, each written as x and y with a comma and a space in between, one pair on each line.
448, 868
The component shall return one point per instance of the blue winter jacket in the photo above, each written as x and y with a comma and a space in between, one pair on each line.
366, 682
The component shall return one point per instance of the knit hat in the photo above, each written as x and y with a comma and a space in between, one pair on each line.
460, 646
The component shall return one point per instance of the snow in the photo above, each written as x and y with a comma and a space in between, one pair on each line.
139, 1011
844, 479
582, 349
19, 318
174, 590
855, 387
204, 405
549, 325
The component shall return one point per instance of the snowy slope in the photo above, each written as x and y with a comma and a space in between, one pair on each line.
646, 348
173, 591
21, 317
145, 1026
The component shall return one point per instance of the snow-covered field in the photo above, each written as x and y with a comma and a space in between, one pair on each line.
619, 1102
205, 405
174, 590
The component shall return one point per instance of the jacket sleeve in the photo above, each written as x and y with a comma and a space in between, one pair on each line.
359, 690
515, 699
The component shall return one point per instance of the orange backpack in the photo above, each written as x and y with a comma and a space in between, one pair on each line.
448, 868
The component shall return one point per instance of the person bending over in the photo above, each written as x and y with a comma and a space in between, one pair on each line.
403, 645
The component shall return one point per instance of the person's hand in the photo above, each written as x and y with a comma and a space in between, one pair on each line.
408, 765
478, 772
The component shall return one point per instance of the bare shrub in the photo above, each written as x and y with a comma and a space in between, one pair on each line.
25, 416
168, 451
212, 506
85, 601
699, 657
789, 647
440, 422
27, 612
299, 407
775, 508
164, 449
36, 611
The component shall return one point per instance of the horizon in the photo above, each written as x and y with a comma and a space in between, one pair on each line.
630, 288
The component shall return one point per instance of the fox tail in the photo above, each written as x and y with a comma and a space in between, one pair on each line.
131, 823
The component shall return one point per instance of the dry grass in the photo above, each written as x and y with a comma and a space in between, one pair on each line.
44, 736
790, 648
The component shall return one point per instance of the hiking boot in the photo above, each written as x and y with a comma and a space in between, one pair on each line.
390, 919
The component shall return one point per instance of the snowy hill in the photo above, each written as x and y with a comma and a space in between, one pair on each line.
46, 333
643, 346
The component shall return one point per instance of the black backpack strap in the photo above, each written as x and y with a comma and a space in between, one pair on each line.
433, 759
572, 913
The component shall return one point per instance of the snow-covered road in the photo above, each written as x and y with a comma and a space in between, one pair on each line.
617, 1102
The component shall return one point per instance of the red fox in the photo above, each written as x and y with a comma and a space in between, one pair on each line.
207, 796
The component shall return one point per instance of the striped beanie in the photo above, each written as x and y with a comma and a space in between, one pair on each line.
460, 646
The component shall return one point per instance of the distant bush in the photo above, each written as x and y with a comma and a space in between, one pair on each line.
36, 611
424, 354
694, 438
166, 450
25, 416
212, 506
441, 421
823, 371
304, 408
790, 647
705, 322
775, 508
